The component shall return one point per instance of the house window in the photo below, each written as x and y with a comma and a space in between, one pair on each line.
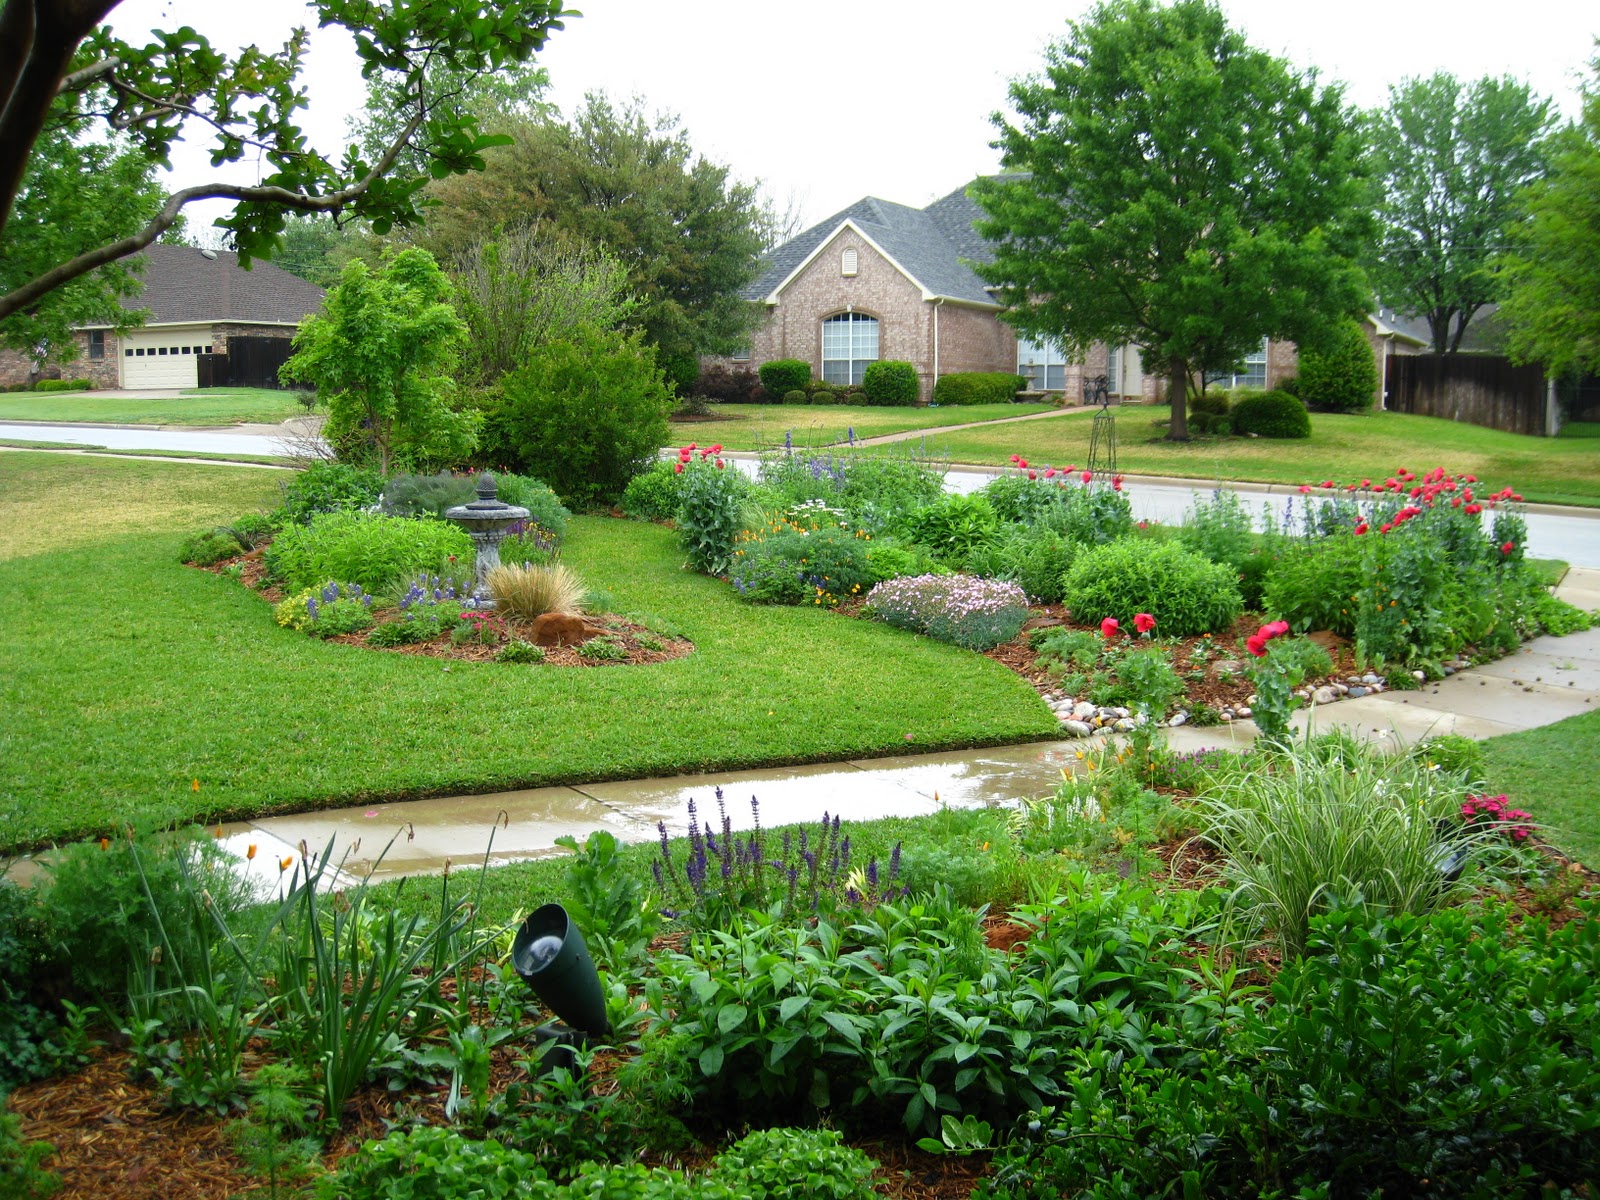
97, 343
1042, 364
848, 262
1251, 373
742, 354
1114, 370
849, 343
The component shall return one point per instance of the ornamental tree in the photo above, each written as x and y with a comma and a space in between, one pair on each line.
382, 354
1173, 187
1552, 272
178, 84
1448, 159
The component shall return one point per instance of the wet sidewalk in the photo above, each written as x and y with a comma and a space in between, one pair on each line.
1547, 680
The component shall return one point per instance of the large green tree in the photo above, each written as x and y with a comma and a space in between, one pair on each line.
77, 194
382, 355
1173, 187
178, 84
1552, 272
688, 234
1447, 160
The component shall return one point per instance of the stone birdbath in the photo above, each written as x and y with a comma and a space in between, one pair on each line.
486, 520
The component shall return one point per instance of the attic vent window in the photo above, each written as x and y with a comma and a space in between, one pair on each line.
847, 263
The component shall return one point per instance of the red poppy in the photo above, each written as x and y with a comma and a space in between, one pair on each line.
1275, 629
1033, 474
717, 449
1507, 547
1361, 528
1109, 627
1022, 462
1256, 644
1087, 475
1143, 622
1049, 472
678, 467
1013, 458
1304, 488
721, 464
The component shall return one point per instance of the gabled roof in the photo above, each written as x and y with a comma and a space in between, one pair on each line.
184, 284
1388, 323
927, 243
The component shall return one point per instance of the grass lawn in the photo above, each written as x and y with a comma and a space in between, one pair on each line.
1580, 429
1551, 773
1346, 448
757, 426
124, 675
266, 460
206, 406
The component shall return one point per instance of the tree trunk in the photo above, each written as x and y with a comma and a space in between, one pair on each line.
1178, 393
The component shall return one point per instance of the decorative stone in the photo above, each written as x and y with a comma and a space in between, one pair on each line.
1357, 692
1342, 688
1122, 725
562, 629
1077, 728
1420, 676
1324, 695
1083, 711
1178, 719
1369, 678
1244, 712
1231, 665
1227, 716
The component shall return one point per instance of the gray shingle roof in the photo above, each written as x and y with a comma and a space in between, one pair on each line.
182, 284
928, 242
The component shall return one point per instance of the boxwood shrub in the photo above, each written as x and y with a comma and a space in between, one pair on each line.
977, 387
1271, 415
1342, 378
783, 375
890, 382
1187, 594
1208, 412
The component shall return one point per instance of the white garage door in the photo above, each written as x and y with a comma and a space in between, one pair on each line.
151, 359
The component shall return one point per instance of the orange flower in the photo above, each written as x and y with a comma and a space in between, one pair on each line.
195, 786
105, 843
250, 851
285, 863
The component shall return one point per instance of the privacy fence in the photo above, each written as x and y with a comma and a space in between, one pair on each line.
1479, 389
249, 362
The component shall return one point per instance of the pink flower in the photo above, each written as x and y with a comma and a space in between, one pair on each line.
1013, 460
1109, 627
1327, 483
1275, 629
1022, 462
1366, 483
1049, 472
1304, 488
1116, 483
1143, 622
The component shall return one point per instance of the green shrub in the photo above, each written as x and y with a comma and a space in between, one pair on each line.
870, 489
587, 415
1219, 529
544, 507
427, 495
891, 559
1211, 402
328, 487
653, 494
22, 1171
796, 396
1270, 415
432, 1163
795, 1164
1344, 377
369, 549
711, 514
31, 1045
1187, 594
823, 396
208, 549
890, 382
977, 387
952, 527
519, 651
635, 1181
251, 529
1315, 585
1036, 559
783, 375
62, 385
978, 614
795, 566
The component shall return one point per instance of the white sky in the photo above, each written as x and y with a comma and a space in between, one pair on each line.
826, 102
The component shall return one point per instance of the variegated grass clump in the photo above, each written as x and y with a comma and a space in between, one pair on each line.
1319, 831
530, 590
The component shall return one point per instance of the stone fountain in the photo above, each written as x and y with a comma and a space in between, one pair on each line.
486, 520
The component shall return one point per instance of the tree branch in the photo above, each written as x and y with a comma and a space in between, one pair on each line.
89, 260
79, 80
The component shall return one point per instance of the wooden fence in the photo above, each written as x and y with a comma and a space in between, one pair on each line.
1479, 389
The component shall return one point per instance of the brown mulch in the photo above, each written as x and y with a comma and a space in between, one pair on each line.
629, 634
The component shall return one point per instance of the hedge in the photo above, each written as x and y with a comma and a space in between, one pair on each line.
890, 382
784, 375
977, 387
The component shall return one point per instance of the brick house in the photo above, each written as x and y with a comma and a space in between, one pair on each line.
879, 280
194, 301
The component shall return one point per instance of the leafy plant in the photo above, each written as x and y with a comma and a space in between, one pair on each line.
1342, 377
790, 564
554, 1116
326, 611
208, 549
1270, 415
782, 375
22, 1172
710, 513
1129, 576
890, 382
613, 908
793, 1164
1279, 665
652, 494
603, 649
272, 1138
977, 387
369, 549
326, 486
952, 527
975, 613
519, 651
432, 1163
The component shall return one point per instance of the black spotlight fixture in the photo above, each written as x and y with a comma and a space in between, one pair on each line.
550, 955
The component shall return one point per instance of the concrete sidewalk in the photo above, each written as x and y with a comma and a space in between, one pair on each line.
1547, 680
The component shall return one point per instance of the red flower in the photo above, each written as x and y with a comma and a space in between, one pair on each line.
1109, 627
1022, 462
678, 467
1049, 472
1470, 478
692, 447
1327, 483
1275, 629
1256, 644
720, 464
717, 449
1013, 459
1507, 547
1384, 528
1361, 528
1087, 475
1116, 483
1033, 474
1068, 469
1143, 622
1473, 510
1366, 483
1304, 488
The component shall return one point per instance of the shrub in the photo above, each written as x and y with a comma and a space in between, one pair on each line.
889, 559
783, 375
327, 611
680, 368
793, 565
711, 514
1037, 559
1219, 529
532, 591
603, 649
519, 651
952, 527
823, 396
1208, 412
369, 549
890, 382
1190, 594
653, 494
794, 1164
1271, 415
1315, 585
726, 385
587, 415
62, 385
251, 529
976, 613
1093, 515
427, 495
23, 1175
208, 549
796, 396
328, 487
1344, 377
977, 387
31, 1045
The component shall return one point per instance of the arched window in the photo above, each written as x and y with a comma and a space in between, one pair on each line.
848, 262
849, 343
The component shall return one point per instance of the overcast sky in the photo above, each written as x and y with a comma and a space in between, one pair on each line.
826, 102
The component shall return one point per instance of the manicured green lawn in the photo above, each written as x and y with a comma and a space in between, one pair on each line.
207, 406
757, 426
266, 460
124, 676
1551, 773
1345, 448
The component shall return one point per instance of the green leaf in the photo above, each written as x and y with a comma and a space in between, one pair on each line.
731, 1017
790, 1006
711, 1061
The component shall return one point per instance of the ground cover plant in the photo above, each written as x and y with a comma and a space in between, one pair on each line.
205, 406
